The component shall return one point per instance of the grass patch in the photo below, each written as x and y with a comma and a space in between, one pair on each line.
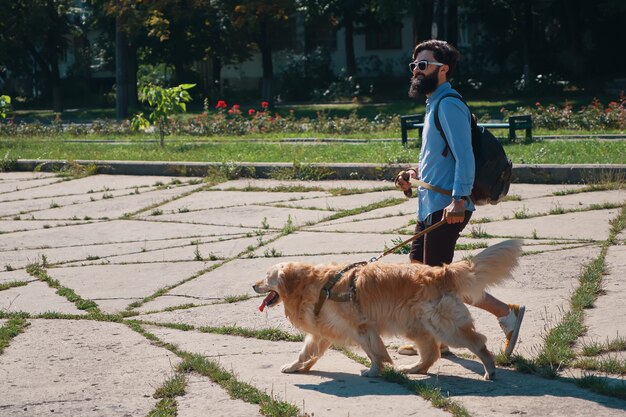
601, 385
12, 284
478, 232
471, 246
271, 334
364, 209
594, 349
173, 387
230, 299
37, 270
185, 148
14, 326
557, 352
609, 365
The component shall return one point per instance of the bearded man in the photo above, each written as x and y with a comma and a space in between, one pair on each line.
447, 166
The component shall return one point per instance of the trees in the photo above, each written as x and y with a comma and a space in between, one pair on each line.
259, 18
37, 30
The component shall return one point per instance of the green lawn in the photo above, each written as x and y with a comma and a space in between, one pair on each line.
368, 110
184, 149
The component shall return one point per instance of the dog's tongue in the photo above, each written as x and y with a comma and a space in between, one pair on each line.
265, 301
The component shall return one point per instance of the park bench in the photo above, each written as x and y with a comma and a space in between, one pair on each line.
416, 121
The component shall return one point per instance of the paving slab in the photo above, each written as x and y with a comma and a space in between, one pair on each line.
220, 249
201, 395
605, 321
545, 205
335, 388
204, 200
529, 191
112, 208
64, 368
345, 202
17, 184
25, 176
315, 243
123, 284
252, 216
114, 231
10, 226
247, 183
102, 254
593, 225
383, 225
15, 275
36, 298
93, 185
409, 207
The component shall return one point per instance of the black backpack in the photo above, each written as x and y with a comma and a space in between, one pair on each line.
492, 177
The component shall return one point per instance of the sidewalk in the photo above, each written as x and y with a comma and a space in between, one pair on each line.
179, 252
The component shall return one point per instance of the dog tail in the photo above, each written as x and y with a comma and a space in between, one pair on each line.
489, 267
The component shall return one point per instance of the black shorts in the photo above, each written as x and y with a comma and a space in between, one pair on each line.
437, 247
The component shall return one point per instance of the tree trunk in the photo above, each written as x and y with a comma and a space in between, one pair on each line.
349, 45
121, 73
131, 74
55, 83
437, 31
216, 78
267, 83
452, 22
422, 21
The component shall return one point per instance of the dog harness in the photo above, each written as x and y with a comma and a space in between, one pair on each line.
327, 294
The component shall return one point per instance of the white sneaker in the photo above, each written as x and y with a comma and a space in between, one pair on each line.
510, 325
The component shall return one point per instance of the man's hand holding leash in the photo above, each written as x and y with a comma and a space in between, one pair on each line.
455, 212
403, 181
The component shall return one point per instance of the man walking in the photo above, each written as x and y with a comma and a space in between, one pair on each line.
447, 166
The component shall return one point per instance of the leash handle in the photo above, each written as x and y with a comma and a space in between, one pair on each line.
411, 239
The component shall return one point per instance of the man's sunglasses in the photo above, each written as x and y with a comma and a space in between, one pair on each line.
421, 65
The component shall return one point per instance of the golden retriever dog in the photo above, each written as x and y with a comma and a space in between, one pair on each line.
421, 303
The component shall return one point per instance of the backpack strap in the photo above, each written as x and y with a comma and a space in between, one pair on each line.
438, 123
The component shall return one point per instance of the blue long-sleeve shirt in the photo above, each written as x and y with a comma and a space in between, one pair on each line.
456, 170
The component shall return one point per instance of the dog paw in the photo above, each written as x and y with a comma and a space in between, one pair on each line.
289, 368
411, 369
370, 373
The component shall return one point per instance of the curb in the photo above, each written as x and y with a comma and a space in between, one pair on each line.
522, 173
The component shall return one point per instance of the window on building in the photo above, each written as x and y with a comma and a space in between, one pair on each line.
388, 36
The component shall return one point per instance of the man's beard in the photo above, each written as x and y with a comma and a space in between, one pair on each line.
425, 85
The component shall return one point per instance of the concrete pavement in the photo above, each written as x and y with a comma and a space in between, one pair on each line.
172, 252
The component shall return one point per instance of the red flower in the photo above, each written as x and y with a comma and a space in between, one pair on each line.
537, 104
221, 104
265, 104
613, 104
235, 107
251, 112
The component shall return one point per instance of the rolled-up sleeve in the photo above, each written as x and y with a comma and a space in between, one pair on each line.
454, 117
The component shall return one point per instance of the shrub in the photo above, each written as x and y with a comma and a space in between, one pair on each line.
595, 116
5, 106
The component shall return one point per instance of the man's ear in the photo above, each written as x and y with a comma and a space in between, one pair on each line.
444, 71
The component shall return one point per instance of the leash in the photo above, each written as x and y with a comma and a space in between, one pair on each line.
409, 240
326, 292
